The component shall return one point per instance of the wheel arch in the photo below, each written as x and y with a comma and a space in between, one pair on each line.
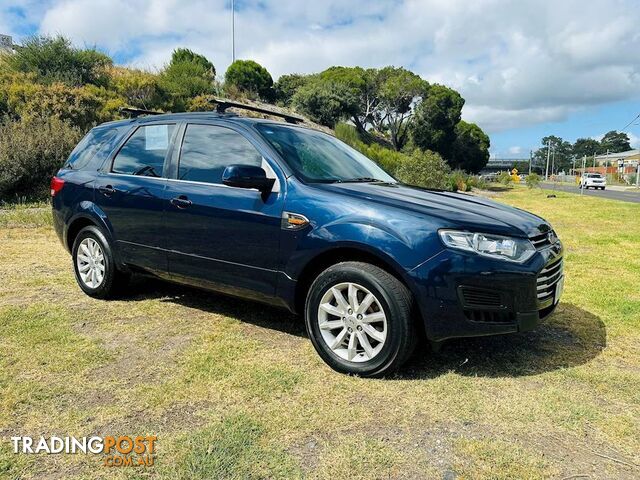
347, 253
88, 214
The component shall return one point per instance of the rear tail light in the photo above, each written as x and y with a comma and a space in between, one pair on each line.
56, 185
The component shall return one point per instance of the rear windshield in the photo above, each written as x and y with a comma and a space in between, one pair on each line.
594, 175
93, 148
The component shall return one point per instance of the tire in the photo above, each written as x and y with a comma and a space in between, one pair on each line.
91, 250
394, 338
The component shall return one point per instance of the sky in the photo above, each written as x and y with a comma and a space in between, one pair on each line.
526, 68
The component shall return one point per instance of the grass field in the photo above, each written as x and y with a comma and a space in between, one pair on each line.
235, 390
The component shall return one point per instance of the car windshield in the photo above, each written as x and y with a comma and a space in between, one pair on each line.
316, 157
595, 175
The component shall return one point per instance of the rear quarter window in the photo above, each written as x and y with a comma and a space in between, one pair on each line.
93, 148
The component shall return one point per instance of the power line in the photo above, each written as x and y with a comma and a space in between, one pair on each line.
634, 119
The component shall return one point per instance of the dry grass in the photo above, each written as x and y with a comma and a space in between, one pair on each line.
235, 390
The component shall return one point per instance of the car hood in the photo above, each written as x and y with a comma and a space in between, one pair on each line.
455, 210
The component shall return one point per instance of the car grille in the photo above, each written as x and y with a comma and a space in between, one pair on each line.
485, 306
548, 277
475, 297
541, 241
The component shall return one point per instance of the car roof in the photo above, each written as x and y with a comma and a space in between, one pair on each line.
186, 116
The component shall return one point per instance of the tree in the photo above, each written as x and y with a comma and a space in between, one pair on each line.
470, 150
187, 75
54, 59
435, 120
615, 142
356, 83
286, 87
326, 102
585, 146
560, 155
186, 55
251, 78
398, 91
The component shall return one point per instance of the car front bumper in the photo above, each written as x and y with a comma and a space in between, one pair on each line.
462, 294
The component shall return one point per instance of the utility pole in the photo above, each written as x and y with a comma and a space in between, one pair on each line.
530, 160
546, 174
584, 167
553, 160
638, 175
233, 31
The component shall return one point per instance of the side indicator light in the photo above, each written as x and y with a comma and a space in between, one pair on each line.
294, 221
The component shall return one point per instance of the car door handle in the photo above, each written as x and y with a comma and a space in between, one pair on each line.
106, 190
181, 202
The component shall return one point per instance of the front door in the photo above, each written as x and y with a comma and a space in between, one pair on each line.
225, 236
132, 193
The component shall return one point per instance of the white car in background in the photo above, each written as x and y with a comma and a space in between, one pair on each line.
593, 180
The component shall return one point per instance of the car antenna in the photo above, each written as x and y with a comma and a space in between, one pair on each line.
222, 104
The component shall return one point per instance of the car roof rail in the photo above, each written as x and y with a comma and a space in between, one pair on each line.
137, 112
223, 103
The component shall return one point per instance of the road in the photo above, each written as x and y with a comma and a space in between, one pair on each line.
625, 196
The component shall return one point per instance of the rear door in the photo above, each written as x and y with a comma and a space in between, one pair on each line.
217, 234
131, 190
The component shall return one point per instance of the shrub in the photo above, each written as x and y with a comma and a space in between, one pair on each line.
424, 169
504, 178
533, 180
458, 181
31, 151
387, 158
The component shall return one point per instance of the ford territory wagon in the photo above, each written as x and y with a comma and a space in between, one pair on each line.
293, 217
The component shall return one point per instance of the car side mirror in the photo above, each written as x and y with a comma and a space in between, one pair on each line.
247, 176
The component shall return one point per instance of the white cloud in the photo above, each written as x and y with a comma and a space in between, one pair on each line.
515, 150
516, 63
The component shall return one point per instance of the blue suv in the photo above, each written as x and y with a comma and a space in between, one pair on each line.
293, 217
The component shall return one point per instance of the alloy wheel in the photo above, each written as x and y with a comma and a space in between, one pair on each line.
352, 322
90, 262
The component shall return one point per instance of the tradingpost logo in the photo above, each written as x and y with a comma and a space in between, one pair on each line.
118, 451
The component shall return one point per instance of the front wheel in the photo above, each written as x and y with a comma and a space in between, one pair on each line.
359, 319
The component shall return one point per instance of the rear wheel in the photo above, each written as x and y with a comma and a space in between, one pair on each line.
358, 318
94, 266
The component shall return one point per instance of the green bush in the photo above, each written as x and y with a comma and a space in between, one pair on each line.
504, 178
31, 151
390, 160
533, 180
250, 78
425, 169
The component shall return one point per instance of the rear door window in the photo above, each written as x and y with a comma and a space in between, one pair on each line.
145, 151
208, 149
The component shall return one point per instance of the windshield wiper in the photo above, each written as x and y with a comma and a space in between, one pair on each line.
364, 180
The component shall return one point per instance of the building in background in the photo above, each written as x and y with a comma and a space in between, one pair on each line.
497, 165
622, 163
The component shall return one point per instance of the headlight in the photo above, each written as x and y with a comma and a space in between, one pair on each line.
494, 246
